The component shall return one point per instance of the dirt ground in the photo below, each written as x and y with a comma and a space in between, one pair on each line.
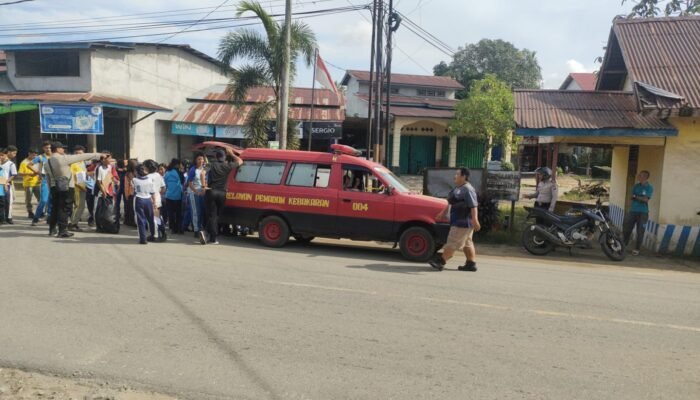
21, 385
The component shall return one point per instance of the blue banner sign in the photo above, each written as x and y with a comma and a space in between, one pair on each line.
230, 132
183, 128
80, 119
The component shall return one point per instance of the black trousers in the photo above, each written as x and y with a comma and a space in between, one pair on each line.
635, 220
214, 200
90, 201
62, 207
174, 208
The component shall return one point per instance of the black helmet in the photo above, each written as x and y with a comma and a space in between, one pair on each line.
544, 171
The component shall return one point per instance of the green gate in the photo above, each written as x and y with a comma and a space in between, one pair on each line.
470, 152
417, 152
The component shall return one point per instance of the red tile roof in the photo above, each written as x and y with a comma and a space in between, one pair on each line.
663, 53
409, 80
585, 80
570, 109
77, 97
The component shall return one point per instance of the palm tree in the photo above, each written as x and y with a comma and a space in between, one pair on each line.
265, 56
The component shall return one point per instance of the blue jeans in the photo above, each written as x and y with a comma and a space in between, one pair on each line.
197, 207
44, 202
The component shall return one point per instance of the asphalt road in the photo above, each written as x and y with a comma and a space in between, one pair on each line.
337, 321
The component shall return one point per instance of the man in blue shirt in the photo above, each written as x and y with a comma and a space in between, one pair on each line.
639, 212
463, 208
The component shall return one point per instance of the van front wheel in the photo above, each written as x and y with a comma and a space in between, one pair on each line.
274, 231
417, 244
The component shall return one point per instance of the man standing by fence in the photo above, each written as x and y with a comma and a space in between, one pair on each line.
639, 212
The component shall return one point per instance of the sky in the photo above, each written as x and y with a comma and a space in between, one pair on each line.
567, 35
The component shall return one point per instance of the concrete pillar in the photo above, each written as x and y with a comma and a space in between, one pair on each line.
92, 144
438, 151
452, 163
396, 147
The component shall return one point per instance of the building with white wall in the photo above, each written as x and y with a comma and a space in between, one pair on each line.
134, 83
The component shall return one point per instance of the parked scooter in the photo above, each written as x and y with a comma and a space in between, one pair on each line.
551, 230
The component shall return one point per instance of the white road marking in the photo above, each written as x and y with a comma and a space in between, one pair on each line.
497, 307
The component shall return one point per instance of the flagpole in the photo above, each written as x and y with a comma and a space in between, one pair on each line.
313, 98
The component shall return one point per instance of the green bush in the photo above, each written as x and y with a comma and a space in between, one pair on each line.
507, 166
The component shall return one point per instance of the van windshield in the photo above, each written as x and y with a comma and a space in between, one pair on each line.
392, 179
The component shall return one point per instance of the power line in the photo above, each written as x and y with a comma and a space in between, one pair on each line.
195, 23
214, 25
15, 2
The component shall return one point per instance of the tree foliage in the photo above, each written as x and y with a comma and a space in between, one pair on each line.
264, 54
519, 69
486, 113
652, 8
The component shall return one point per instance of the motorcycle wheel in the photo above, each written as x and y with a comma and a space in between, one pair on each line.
612, 246
535, 244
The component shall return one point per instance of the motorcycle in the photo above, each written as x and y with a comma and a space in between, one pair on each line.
551, 230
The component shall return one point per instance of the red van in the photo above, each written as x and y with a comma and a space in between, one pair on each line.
283, 193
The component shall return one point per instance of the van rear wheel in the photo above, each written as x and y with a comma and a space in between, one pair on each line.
417, 244
274, 231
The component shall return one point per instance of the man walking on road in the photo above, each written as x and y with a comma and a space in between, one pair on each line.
639, 213
215, 195
62, 187
31, 182
464, 220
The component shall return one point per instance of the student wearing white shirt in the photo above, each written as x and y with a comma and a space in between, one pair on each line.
159, 186
144, 198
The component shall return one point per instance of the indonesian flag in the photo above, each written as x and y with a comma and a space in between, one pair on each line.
323, 76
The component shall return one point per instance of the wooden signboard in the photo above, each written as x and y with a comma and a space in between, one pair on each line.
503, 185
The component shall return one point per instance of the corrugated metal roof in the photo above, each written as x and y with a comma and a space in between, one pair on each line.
663, 52
409, 80
77, 97
426, 102
103, 44
212, 106
567, 109
419, 112
299, 96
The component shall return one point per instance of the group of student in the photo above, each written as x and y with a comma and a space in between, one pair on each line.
155, 197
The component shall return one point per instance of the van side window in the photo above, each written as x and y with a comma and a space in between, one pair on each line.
360, 179
264, 172
309, 175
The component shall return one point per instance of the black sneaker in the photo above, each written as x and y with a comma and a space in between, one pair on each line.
74, 228
65, 235
469, 266
9, 221
143, 242
202, 238
30, 215
35, 223
53, 232
437, 262
151, 239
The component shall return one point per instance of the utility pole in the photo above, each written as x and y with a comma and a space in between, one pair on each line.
370, 106
284, 90
379, 79
392, 25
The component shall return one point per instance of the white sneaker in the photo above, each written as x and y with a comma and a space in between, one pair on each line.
217, 242
202, 237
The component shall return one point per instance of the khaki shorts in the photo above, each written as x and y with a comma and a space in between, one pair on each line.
458, 238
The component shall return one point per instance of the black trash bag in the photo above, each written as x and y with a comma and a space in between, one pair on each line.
106, 218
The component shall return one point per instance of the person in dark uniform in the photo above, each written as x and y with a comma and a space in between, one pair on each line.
215, 194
